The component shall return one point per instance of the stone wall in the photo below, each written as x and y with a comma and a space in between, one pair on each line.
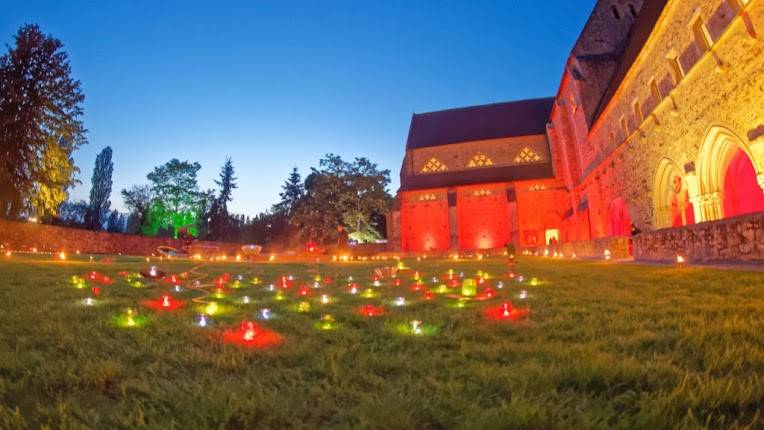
659, 115
618, 247
26, 235
734, 239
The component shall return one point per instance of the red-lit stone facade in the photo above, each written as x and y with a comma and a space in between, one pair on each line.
658, 123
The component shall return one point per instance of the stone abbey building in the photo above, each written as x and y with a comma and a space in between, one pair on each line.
657, 127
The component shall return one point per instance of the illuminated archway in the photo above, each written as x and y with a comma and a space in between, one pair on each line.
727, 165
742, 194
671, 199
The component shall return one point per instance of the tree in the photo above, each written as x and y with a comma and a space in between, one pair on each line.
116, 222
138, 200
100, 190
221, 226
293, 192
340, 193
71, 214
227, 184
177, 203
40, 110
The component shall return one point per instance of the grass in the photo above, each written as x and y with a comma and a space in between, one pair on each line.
605, 346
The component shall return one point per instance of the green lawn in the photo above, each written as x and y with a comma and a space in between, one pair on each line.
605, 345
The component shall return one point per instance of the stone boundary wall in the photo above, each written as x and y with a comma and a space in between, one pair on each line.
738, 239
618, 246
27, 235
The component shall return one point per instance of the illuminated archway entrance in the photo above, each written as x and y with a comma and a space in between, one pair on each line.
742, 194
671, 199
729, 176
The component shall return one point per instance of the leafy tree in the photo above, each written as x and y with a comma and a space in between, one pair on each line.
115, 222
177, 202
40, 110
138, 200
100, 191
71, 214
340, 193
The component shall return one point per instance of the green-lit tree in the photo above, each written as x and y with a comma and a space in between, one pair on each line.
100, 190
177, 202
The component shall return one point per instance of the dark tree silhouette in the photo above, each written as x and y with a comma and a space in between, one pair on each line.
100, 190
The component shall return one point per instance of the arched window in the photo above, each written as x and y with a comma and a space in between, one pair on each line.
671, 199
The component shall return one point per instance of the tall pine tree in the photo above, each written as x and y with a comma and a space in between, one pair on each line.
292, 192
40, 126
100, 190
221, 225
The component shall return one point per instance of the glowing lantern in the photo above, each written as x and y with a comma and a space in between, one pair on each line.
500, 285
166, 301
376, 283
397, 282
416, 327
311, 246
520, 278
442, 289
327, 322
7, 253
469, 288
303, 291
88, 301
62, 255
130, 317
153, 271
324, 299
354, 289
416, 275
201, 320
607, 254
534, 282
370, 311
523, 294
272, 257
506, 309
369, 293
96, 291
400, 301
303, 307
489, 293
265, 314
248, 331
573, 256
211, 308
428, 295
245, 300
679, 261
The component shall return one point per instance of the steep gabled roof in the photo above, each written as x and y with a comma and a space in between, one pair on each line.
492, 121
640, 32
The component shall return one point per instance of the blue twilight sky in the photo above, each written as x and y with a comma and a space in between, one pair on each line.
278, 84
